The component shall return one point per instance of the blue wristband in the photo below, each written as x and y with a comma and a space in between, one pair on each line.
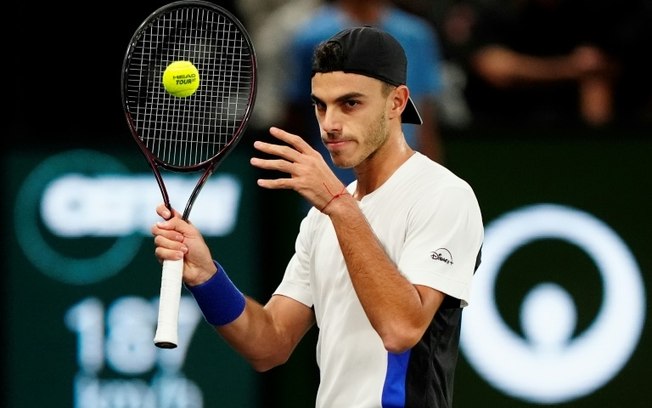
218, 298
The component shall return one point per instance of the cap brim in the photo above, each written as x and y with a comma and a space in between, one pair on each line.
411, 114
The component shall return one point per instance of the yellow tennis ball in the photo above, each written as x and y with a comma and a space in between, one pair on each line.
181, 79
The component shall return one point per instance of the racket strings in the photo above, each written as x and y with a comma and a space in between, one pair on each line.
185, 132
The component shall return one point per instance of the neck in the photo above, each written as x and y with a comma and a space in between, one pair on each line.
379, 167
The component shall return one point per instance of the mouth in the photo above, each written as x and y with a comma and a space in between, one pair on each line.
332, 145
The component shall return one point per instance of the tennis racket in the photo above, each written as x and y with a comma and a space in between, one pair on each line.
196, 129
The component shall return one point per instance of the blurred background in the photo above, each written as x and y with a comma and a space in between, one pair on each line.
543, 106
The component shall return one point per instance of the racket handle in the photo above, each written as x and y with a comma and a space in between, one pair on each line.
168, 309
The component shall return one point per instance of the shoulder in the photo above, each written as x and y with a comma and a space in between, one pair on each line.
431, 187
439, 194
430, 172
409, 26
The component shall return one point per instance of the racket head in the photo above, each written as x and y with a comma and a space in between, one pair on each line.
193, 132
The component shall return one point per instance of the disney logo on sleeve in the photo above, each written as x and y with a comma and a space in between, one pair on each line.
443, 255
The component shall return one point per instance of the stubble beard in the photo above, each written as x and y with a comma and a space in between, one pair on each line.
373, 139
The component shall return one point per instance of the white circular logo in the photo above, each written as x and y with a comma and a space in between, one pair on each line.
34, 240
546, 365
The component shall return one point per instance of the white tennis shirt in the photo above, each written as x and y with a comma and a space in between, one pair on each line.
429, 222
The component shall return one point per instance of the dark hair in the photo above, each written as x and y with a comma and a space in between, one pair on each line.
328, 57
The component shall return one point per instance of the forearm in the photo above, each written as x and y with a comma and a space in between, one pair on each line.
255, 336
392, 304
503, 67
245, 324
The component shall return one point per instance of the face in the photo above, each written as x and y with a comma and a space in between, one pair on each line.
352, 114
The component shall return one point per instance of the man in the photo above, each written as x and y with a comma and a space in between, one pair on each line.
420, 43
383, 266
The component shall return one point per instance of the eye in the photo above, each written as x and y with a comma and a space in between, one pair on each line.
319, 107
351, 104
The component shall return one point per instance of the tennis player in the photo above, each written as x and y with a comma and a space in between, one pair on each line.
382, 266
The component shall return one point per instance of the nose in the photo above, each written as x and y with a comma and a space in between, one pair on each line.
330, 121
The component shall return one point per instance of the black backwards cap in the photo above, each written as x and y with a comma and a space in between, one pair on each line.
374, 53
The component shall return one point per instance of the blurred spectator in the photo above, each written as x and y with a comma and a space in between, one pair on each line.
255, 12
424, 71
547, 62
454, 21
272, 25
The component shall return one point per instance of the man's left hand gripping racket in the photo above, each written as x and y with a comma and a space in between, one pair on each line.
188, 89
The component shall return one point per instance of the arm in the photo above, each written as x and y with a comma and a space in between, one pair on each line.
588, 66
504, 67
264, 335
398, 310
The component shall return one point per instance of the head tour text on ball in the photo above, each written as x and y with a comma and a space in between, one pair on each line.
181, 79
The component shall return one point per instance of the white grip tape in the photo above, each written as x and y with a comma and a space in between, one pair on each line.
168, 310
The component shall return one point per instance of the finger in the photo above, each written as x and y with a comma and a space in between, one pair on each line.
170, 243
174, 228
168, 231
285, 152
267, 164
170, 240
161, 226
168, 254
293, 140
164, 212
281, 183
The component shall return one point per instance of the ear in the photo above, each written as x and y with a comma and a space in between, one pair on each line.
399, 98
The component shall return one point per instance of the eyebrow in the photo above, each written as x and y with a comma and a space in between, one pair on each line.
339, 99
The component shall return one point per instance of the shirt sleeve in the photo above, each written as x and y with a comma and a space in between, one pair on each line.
442, 245
296, 280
